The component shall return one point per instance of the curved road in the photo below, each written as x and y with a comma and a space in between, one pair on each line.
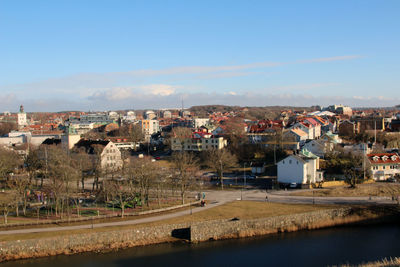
216, 198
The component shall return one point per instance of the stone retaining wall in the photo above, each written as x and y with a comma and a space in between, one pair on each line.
202, 231
220, 229
90, 241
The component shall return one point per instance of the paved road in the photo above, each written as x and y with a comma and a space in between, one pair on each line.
285, 197
216, 198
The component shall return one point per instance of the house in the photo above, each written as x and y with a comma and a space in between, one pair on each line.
384, 165
198, 122
105, 152
325, 144
316, 126
317, 147
348, 128
297, 135
331, 137
307, 128
300, 169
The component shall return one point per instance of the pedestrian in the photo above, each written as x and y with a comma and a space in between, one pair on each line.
266, 198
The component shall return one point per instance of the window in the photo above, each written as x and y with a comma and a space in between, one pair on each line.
283, 162
290, 161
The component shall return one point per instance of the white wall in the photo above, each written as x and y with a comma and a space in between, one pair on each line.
291, 170
9, 141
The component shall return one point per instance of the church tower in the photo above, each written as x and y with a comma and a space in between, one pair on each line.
21, 117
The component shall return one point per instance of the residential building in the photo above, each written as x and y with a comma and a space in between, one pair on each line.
129, 117
318, 147
198, 122
95, 118
199, 141
149, 115
167, 114
149, 127
348, 128
106, 153
307, 128
370, 124
297, 135
384, 165
299, 169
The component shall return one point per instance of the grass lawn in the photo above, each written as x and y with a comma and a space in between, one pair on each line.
247, 210
239, 209
363, 190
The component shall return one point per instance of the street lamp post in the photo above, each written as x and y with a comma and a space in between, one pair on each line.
244, 178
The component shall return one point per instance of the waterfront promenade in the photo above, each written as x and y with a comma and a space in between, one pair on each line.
216, 198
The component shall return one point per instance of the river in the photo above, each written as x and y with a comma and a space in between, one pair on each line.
349, 244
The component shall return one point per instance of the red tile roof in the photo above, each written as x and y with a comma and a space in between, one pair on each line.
383, 158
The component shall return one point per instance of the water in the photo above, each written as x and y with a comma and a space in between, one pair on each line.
305, 248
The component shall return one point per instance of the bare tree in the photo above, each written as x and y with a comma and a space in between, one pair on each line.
118, 190
353, 170
83, 164
141, 169
19, 185
9, 162
63, 175
186, 166
7, 127
181, 134
219, 160
7, 201
234, 131
32, 163
136, 134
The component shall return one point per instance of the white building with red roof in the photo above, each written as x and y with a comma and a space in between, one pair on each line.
384, 165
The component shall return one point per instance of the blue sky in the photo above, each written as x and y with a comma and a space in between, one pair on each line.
99, 55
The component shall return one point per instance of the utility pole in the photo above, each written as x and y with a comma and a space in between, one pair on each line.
244, 179
364, 155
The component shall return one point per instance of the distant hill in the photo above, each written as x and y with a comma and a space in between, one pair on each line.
270, 112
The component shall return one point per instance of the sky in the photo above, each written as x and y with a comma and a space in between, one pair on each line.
112, 55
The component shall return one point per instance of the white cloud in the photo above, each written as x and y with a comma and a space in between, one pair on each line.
159, 89
86, 84
231, 93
